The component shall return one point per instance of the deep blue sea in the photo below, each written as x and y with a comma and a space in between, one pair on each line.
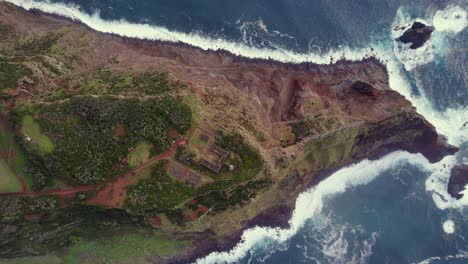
395, 210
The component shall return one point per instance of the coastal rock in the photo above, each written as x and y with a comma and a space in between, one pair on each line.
458, 180
417, 35
306, 120
364, 88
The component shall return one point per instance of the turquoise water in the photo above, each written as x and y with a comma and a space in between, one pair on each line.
394, 216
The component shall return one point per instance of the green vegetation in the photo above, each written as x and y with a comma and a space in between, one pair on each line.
49, 259
219, 197
39, 204
6, 30
16, 156
106, 82
49, 66
85, 195
32, 131
139, 155
230, 187
8, 180
11, 72
82, 130
312, 126
246, 159
36, 45
329, 151
59, 228
159, 192
123, 248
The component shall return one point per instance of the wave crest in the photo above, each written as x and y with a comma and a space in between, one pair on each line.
449, 122
447, 22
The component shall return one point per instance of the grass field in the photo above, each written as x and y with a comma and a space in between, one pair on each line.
139, 155
199, 146
5, 137
8, 180
16, 157
128, 248
31, 129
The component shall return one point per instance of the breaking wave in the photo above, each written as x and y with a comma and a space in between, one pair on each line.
447, 22
310, 203
152, 32
335, 242
459, 256
449, 122
256, 33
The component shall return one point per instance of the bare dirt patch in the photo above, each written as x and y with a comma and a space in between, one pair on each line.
186, 175
120, 131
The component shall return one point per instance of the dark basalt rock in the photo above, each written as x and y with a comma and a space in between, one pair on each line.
418, 34
364, 88
458, 180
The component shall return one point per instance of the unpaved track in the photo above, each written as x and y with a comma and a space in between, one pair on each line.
84, 188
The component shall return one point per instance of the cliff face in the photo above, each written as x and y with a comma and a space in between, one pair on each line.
306, 121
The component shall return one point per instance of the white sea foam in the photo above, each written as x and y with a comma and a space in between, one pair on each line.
449, 122
256, 33
460, 255
449, 227
337, 242
151, 32
452, 19
311, 202
447, 22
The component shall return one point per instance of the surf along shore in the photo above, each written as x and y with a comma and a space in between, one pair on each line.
306, 121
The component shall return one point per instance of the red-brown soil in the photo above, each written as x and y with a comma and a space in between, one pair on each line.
114, 193
120, 131
247, 96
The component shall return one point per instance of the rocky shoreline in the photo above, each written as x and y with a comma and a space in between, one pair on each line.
138, 42
431, 145
278, 94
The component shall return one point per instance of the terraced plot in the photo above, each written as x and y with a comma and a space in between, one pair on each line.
8, 180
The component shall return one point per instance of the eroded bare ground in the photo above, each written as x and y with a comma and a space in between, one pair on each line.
305, 120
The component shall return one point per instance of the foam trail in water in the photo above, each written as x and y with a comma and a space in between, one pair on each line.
449, 122
459, 256
311, 202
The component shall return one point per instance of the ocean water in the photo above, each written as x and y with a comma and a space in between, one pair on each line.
393, 210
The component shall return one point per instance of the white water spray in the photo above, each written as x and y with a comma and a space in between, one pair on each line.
449, 122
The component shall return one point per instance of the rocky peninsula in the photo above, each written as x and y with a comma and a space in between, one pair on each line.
153, 152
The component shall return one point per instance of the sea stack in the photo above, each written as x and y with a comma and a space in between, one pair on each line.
458, 180
417, 35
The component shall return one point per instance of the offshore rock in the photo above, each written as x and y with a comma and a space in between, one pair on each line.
458, 180
417, 35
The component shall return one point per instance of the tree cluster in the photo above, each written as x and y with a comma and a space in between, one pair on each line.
87, 149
